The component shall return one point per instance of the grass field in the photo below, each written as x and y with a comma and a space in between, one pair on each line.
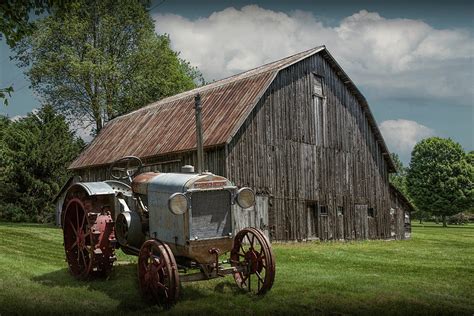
431, 274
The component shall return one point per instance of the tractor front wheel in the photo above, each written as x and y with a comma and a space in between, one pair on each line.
158, 275
253, 255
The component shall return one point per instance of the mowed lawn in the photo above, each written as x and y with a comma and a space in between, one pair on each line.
431, 274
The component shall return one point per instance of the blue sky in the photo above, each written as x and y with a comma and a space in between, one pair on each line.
413, 60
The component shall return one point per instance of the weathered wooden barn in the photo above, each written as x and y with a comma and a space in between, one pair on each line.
298, 131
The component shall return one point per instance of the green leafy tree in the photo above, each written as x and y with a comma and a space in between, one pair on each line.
440, 179
14, 25
398, 179
5, 93
15, 20
34, 154
100, 59
470, 157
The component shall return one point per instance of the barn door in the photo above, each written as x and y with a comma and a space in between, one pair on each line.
362, 222
312, 220
256, 216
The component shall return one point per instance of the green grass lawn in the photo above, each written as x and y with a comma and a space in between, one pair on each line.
432, 274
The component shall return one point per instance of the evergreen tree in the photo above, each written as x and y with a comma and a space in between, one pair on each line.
34, 154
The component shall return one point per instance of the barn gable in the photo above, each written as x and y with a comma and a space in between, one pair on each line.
167, 126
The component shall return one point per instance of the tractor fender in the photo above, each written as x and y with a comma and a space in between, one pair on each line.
94, 188
85, 190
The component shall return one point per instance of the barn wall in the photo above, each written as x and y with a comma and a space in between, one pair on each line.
400, 216
213, 161
304, 154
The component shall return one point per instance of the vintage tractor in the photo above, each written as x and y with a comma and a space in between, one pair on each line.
178, 224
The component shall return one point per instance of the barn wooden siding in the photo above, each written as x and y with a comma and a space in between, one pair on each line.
298, 153
400, 211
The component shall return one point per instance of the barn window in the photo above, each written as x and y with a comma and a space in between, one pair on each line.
371, 212
340, 211
320, 111
323, 210
317, 86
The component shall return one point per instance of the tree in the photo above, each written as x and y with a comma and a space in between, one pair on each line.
470, 157
15, 18
100, 59
398, 179
15, 24
440, 179
34, 154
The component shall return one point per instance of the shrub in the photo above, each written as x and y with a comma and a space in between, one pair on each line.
13, 213
458, 219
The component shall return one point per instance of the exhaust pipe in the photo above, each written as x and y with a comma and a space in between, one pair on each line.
200, 150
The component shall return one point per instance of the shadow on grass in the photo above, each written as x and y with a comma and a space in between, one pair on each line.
122, 286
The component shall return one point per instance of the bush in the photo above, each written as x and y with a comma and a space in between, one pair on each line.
13, 213
458, 219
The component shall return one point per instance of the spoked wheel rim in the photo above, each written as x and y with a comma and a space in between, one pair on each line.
158, 274
78, 239
253, 254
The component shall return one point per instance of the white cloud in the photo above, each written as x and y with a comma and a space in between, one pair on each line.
17, 118
81, 128
402, 135
389, 57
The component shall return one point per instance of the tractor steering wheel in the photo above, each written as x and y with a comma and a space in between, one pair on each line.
125, 168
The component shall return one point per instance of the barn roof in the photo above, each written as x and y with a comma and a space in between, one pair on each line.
168, 125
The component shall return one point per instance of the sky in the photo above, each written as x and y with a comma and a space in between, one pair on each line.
412, 60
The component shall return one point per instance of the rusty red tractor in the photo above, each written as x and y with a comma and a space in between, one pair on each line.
178, 224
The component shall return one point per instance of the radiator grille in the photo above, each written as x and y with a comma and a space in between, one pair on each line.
211, 214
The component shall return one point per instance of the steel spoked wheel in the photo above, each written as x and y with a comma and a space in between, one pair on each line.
78, 239
88, 241
252, 255
158, 275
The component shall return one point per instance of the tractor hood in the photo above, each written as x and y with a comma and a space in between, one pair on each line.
170, 183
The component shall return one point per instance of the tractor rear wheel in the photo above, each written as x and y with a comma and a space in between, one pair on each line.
158, 275
88, 240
